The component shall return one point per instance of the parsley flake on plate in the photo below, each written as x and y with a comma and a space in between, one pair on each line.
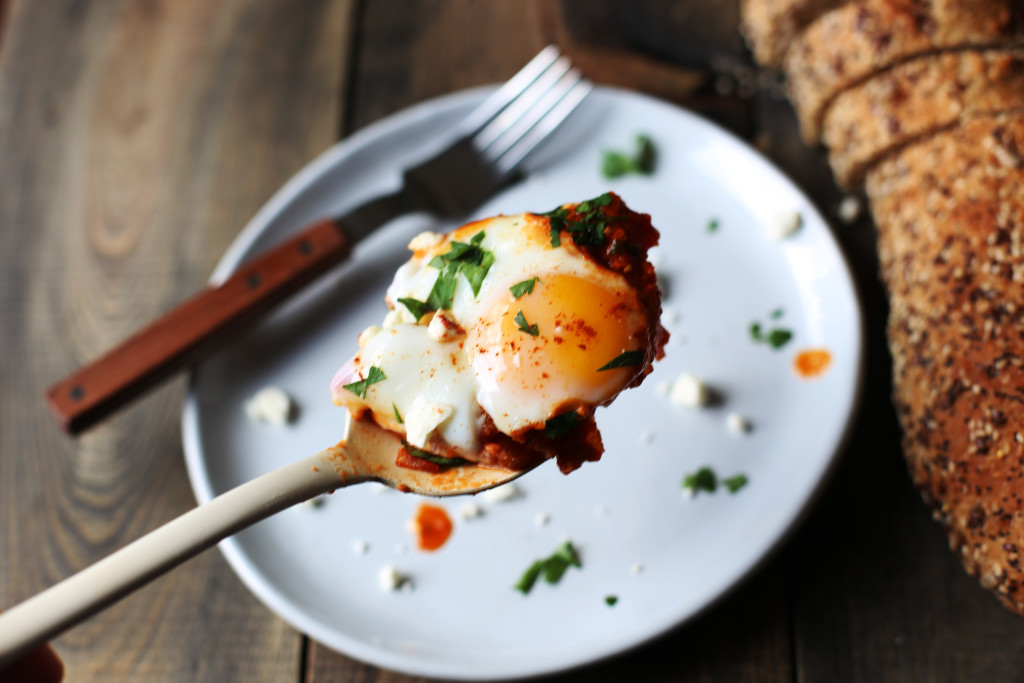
551, 568
735, 483
373, 375
777, 337
610, 600
712, 226
703, 479
641, 161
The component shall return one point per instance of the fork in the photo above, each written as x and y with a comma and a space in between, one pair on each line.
489, 146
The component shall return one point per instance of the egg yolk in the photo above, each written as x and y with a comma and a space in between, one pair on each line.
554, 340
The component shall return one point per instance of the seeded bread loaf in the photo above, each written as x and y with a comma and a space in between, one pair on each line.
950, 217
851, 43
916, 99
770, 26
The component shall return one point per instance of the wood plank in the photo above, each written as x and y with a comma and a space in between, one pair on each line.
135, 140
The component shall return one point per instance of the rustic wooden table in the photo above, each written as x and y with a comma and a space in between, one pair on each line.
138, 136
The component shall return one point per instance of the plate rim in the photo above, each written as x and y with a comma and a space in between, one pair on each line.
234, 256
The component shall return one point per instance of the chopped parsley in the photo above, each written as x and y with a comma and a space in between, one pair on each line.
521, 289
520, 320
436, 459
712, 226
561, 424
551, 568
373, 376
590, 223
735, 483
610, 600
398, 415
777, 337
623, 360
641, 161
705, 479
472, 260
416, 307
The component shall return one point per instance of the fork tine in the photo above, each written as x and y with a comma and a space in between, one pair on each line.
519, 148
513, 133
521, 105
508, 92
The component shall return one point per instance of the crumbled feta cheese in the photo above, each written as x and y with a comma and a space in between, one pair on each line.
636, 568
425, 240
849, 209
422, 418
737, 423
670, 316
784, 224
444, 328
397, 316
502, 494
541, 519
689, 391
270, 404
367, 334
359, 546
390, 579
470, 510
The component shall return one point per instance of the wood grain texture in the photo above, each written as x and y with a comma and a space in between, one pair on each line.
135, 140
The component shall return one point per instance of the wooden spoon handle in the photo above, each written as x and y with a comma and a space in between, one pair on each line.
71, 601
196, 327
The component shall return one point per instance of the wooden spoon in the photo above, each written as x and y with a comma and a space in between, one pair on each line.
367, 453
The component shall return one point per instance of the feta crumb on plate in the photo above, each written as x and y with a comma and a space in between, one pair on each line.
390, 579
784, 224
470, 510
271, 405
737, 423
502, 494
689, 391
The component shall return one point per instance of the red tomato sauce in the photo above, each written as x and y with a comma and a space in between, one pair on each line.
432, 527
812, 363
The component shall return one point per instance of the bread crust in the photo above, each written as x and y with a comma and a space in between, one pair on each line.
851, 43
916, 99
770, 26
951, 243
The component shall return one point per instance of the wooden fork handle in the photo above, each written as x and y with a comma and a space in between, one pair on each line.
196, 327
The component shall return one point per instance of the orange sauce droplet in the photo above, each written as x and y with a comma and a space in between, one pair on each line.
432, 527
811, 363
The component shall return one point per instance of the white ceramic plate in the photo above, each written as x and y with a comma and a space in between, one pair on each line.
463, 619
